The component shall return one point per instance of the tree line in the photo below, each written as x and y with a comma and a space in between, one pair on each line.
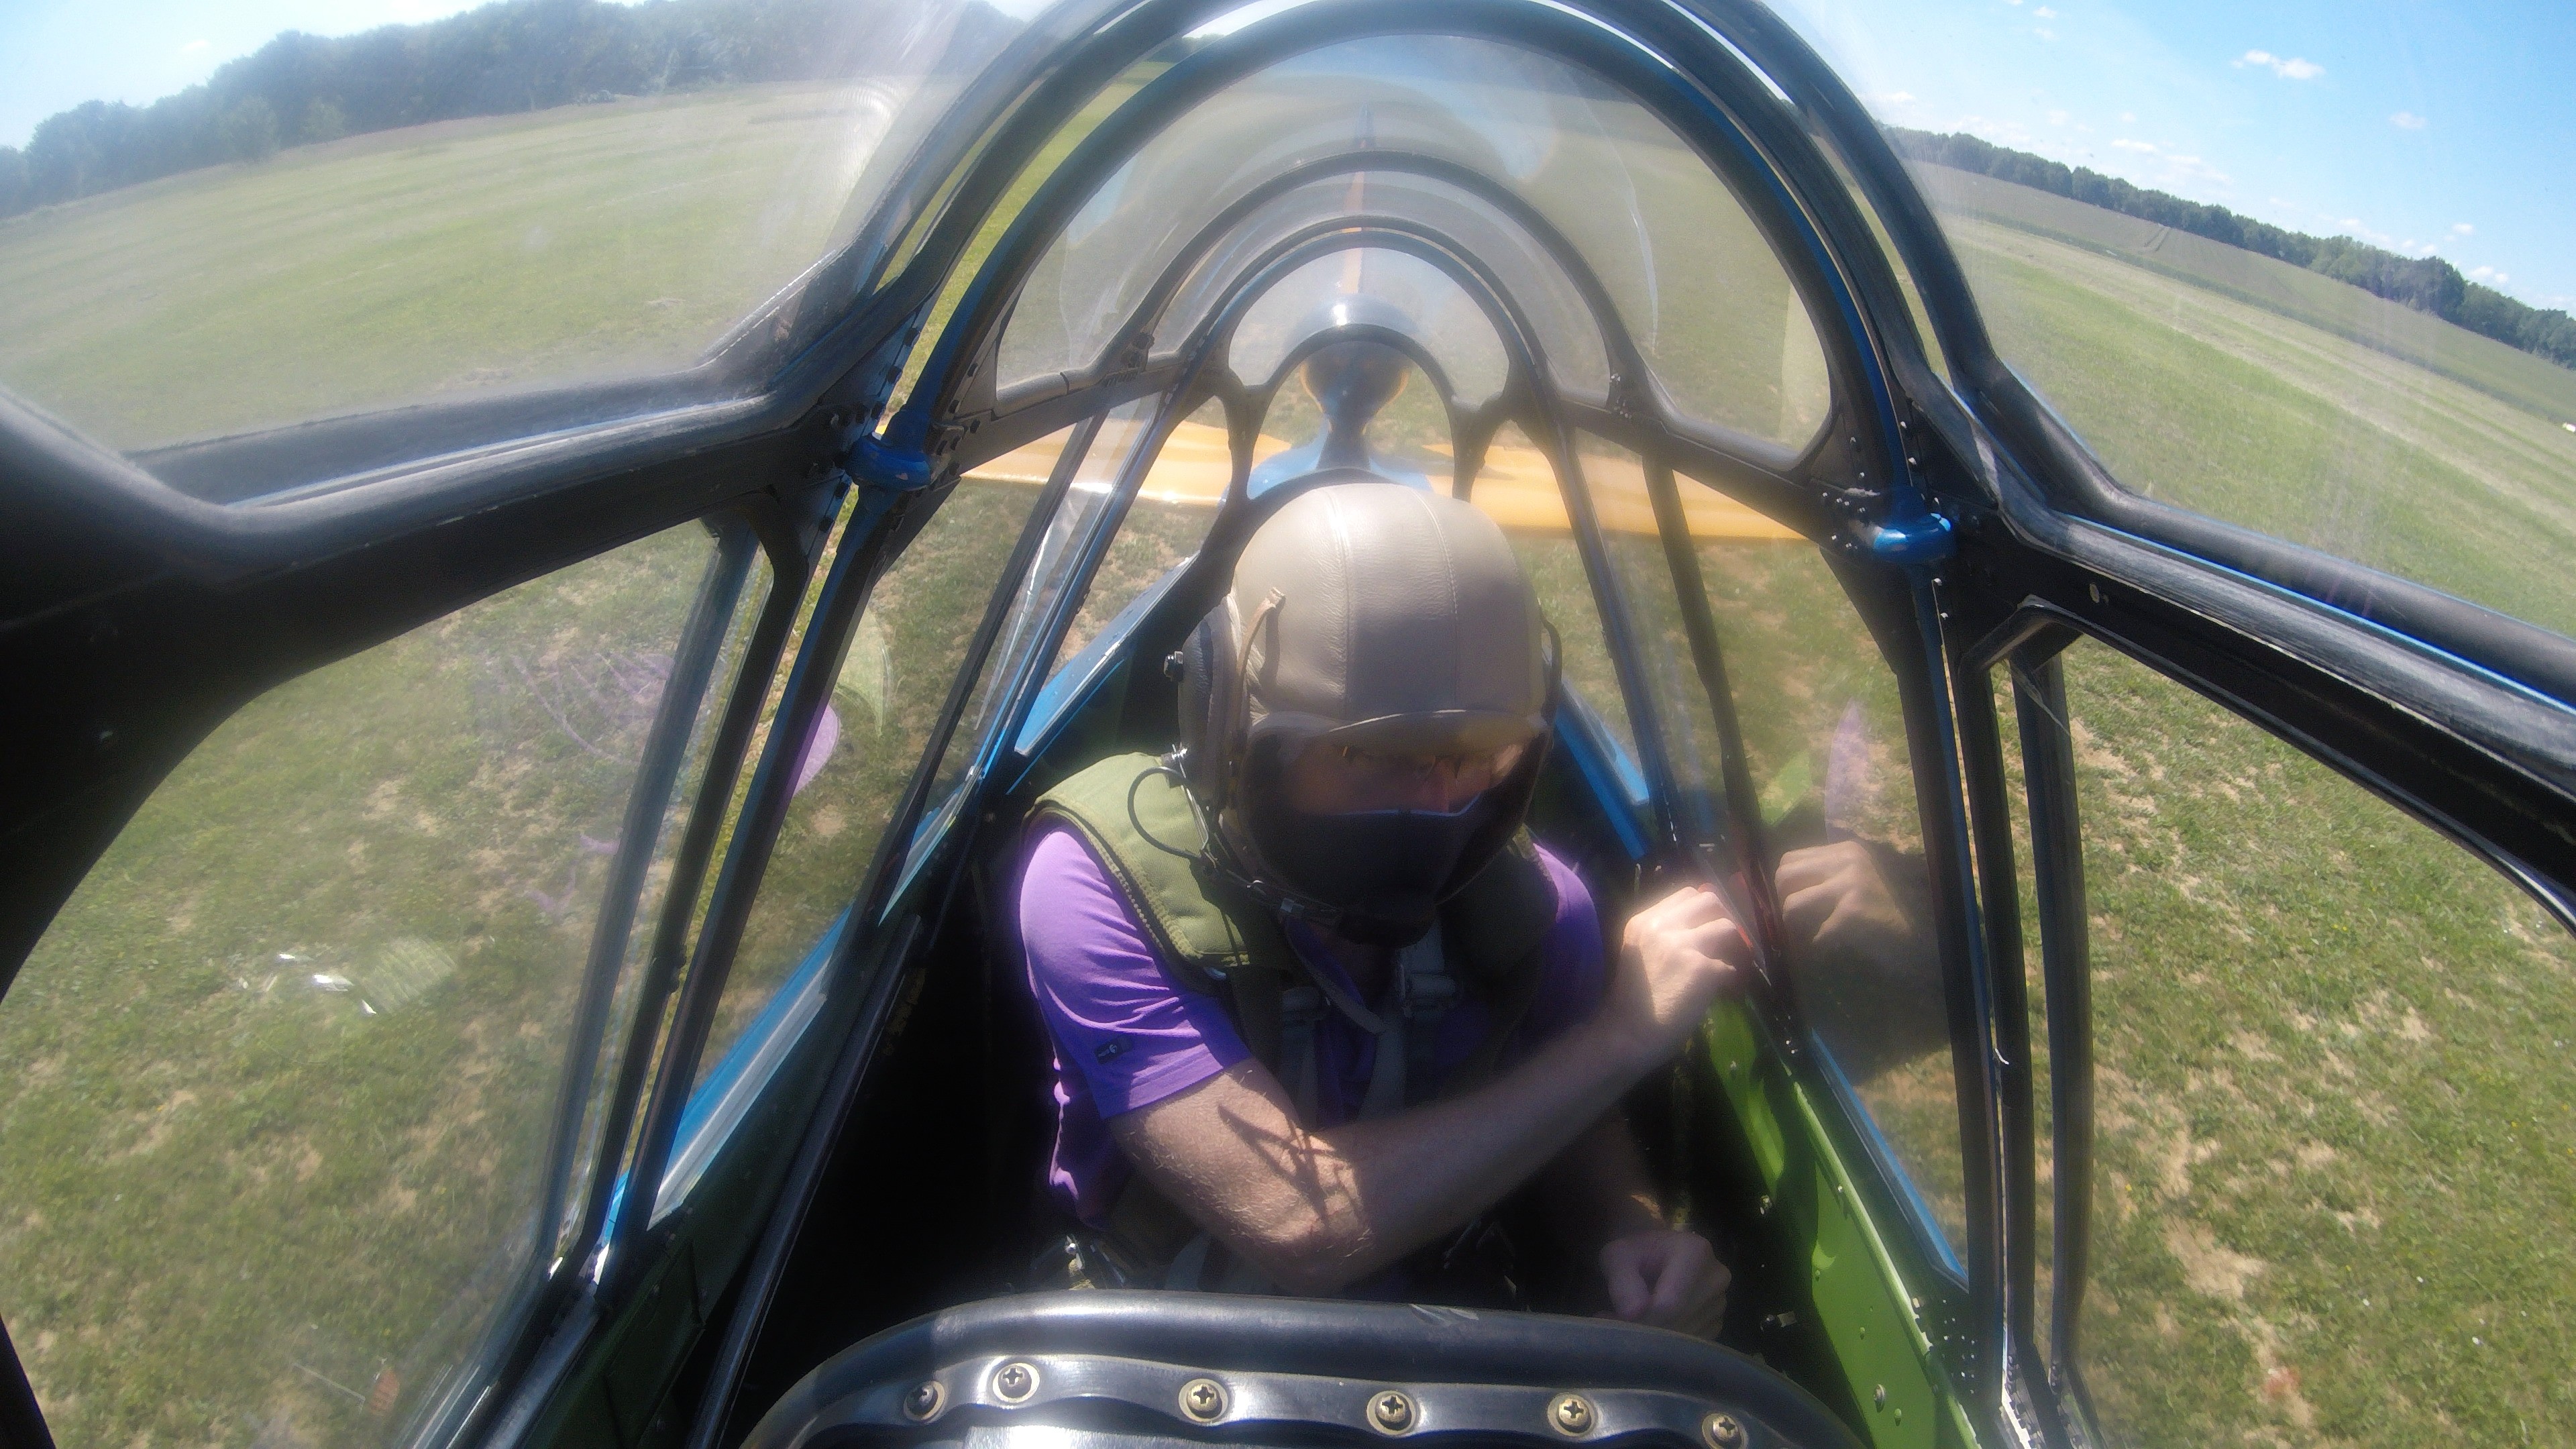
2427, 284
517, 55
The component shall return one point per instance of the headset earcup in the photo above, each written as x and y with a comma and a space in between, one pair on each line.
1207, 668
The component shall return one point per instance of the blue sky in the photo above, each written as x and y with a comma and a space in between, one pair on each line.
2449, 127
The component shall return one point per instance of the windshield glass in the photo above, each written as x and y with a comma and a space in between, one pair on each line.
2301, 272
1679, 265
503, 200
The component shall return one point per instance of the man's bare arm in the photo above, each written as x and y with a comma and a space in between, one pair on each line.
1317, 1210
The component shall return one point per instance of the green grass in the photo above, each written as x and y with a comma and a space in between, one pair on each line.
2527, 381
894, 680
492, 253
2201, 400
2336, 1189
229, 1189
2331, 1042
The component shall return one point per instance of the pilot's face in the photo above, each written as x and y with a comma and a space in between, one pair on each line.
1329, 780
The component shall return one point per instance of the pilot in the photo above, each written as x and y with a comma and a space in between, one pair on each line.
1318, 1002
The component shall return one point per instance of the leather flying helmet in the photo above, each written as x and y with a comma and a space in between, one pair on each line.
1384, 622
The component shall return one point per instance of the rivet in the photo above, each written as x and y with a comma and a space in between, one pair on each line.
1203, 1400
2095, 590
1391, 1411
1013, 1383
1878, 1397
1570, 1414
925, 1400
1722, 1431
1763, 1208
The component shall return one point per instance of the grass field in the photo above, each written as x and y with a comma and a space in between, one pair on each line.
2338, 1152
2337, 1107
279, 1079
2246, 390
491, 253
2335, 1198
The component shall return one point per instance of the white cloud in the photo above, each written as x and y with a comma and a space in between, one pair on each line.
2002, 133
2057, 118
1897, 98
2359, 230
2286, 67
193, 46
2462, 228
2173, 168
2130, 116
2044, 33
2407, 121
2488, 274
2045, 13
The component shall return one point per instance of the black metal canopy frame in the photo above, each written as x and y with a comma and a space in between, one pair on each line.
148, 598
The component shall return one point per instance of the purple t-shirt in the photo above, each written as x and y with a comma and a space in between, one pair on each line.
1127, 1035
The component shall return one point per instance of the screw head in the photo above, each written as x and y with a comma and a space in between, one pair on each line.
1571, 1414
1013, 1383
1203, 1400
1722, 1431
1390, 1411
925, 1400
1878, 1397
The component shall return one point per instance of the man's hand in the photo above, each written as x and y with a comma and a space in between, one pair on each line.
1861, 953
1667, 1278
1674, 958
1837, 903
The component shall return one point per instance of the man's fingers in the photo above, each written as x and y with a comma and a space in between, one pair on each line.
1803, 912
1688, 906
1718, 940
1802, 868
1681, 1275
1668, 1278
1806, 910
1623, 1271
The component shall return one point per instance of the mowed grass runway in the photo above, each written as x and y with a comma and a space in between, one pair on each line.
2339, 1126
494, 252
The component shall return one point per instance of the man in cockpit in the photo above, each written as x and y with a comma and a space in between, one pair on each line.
1318, 1003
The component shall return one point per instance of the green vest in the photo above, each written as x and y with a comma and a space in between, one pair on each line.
1218, 941
1140, 823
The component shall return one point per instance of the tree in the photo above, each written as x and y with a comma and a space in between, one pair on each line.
250, 131
323, 121
15, 193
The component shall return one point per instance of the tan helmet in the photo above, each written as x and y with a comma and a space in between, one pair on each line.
1375, 616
